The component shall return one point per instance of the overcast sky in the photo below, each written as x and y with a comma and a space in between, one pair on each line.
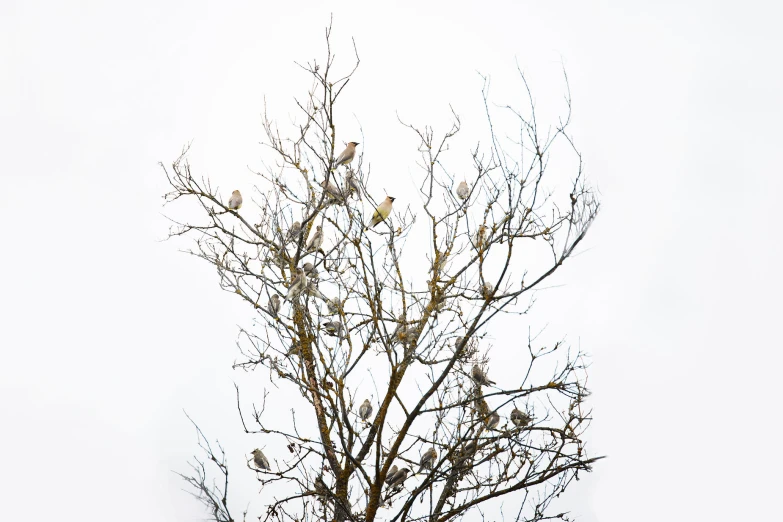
107, 333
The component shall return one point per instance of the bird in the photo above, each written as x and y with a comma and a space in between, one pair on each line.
312, 289
493, 420
481, 237
463, 456
390, 474
486, 291
333, 306
280, 258
235, 201
352, 186
274, 304
294, 232
382, 212
398, 478
295, 349
333, 328
310, 270
260, 460
317, 239
333, 194
321, 489
519, 418
463, 190
346, 156
399, 331
298, 284
481, 406
405, 334
471, 447
478, 375
428, 459
365, 410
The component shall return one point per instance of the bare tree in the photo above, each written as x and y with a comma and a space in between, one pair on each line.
383, 331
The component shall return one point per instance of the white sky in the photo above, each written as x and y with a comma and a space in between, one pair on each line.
107, 334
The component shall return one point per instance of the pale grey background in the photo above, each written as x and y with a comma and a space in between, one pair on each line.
107, 334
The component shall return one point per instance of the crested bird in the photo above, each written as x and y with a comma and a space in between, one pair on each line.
365, 410
235, 201
333, 306
493, 420
520, 419
274, 305
333, 194
398, 478
481, 406
465, 454
298, 284
295, 349
293, 232
428, 459
390, 474
352, 186
486, 291
346, 156
312, 289
310, 270
382, 212
481, 237
463, 190
259, 459
478, 375
321, 489
333, 328
316, 240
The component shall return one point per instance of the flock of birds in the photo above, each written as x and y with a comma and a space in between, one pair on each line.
302, 283
397, 476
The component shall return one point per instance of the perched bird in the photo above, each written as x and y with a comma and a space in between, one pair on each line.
316, 240
464, 455
347, 155
519, 418
478, 375
312, 290
400, 332
481, 237
428, 459
365, 410
390, 474
297, 286
406, 334
333, 306
493, 420
486, 291
274, 305
295, 349
382, 212
309, 269
471, 447
463, 190
280, 258
321, 489
481, 406
333, 194
398, 478
293, 232
352, 186
333, 328
235, 201
260, 460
